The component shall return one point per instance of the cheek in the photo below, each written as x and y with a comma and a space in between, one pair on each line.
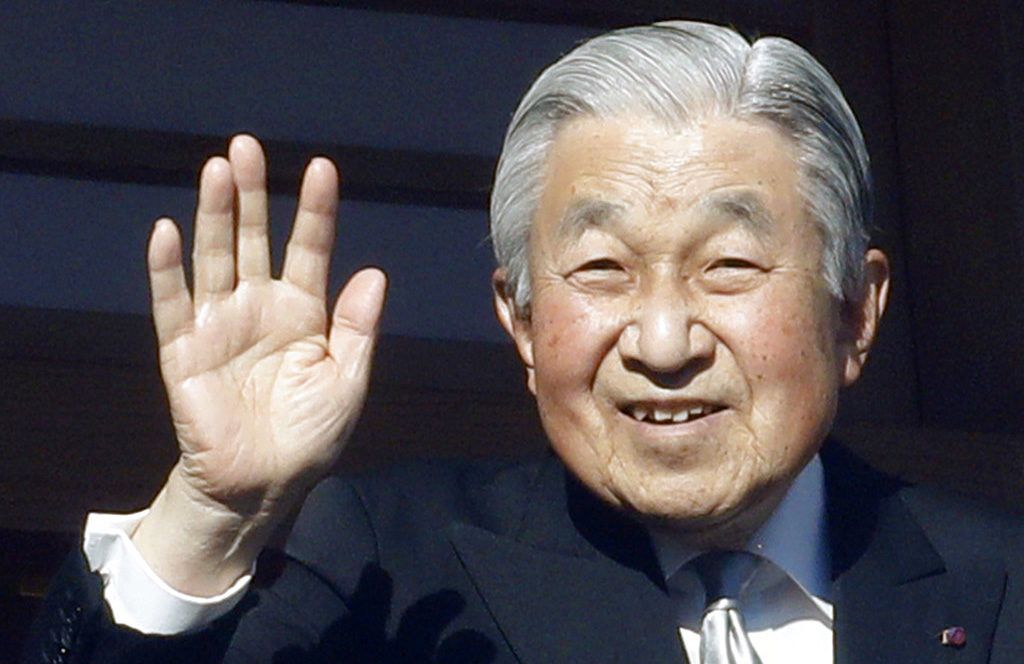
571, 337
782, 345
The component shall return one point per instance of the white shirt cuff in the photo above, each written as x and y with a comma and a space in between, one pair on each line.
137, 597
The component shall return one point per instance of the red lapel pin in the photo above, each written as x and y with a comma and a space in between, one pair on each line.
955, 636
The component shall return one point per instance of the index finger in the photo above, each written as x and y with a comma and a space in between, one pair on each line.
172, 305
308, 255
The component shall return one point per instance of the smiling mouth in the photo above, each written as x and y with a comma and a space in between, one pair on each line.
650, 413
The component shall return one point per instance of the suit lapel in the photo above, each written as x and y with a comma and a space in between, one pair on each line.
584, 585
893, 592
576, 586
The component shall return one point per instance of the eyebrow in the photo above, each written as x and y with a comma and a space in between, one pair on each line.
744, 206
587, 213
740, 205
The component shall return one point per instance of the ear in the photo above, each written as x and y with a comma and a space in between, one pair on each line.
516, 322
862, 318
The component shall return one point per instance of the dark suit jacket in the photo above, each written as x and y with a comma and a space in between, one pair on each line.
516, 562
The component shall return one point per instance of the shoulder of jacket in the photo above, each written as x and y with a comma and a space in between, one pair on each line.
965, 527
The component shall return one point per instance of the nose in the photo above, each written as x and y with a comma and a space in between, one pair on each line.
666, 331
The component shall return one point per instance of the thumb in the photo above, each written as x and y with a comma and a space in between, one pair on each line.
357, 314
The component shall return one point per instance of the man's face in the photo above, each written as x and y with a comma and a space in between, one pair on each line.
684, 350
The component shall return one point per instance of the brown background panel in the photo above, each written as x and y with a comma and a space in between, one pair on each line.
961, 223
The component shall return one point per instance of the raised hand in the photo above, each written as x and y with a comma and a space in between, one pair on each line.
263, 389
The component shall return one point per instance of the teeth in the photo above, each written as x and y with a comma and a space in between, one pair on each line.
661, 416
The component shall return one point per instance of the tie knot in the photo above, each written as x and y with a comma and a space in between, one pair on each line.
725, 573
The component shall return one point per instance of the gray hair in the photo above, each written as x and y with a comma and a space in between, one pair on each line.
679, 72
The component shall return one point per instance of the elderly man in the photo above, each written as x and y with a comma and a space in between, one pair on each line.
680, 223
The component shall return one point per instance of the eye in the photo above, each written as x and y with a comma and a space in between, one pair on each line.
732, 274
732, 263
600, 265
600, 274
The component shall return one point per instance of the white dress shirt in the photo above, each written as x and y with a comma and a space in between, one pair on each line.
785, 606
137, 597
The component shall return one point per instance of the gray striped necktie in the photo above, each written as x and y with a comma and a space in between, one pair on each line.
723, 638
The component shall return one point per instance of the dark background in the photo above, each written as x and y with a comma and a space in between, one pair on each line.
108, 108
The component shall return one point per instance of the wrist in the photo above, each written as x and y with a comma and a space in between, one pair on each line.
195, 545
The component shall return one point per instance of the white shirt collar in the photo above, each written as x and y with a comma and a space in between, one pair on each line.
794, 537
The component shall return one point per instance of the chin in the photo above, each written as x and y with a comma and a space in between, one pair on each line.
678, 514
723, 518
665, 498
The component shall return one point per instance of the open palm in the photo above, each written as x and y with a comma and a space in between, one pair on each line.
261, 386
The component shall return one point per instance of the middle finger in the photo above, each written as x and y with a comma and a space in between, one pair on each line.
213, 258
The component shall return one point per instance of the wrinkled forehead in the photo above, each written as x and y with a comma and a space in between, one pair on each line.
733, 205
601, 173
